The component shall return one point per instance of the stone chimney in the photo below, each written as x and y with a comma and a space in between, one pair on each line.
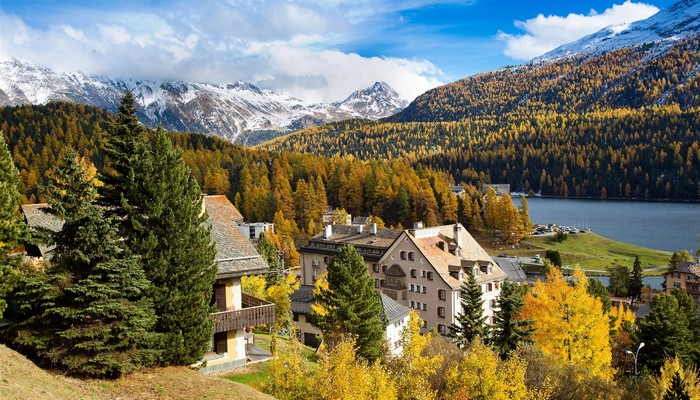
458, 234
327, 231
373, 229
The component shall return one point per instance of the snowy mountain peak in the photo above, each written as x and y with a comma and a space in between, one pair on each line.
238, 111
661, 29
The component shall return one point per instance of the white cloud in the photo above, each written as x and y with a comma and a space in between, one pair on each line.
275, 44
545, 33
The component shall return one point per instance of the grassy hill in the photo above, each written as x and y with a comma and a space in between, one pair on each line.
21, 379
589, 250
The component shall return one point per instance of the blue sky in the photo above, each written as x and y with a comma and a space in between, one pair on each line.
317, 50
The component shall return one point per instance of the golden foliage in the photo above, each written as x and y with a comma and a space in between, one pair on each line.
689, 375
569, 323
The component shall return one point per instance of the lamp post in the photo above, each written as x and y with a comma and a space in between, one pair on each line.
635, 354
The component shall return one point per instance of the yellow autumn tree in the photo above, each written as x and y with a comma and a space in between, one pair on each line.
254, 285
482, 375
413, 370
289, 375
342, 376
569, 323
622, 316
664, 381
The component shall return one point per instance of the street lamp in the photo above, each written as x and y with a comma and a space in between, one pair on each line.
635, 354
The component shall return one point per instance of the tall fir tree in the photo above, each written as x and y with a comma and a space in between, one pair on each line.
508, 330
636, 283
471, 321
124, 139
93, 316
12, 229
666, 332
168, 231
270, 253
353, 306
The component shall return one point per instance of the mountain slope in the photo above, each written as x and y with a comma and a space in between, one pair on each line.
240, 112
661, 29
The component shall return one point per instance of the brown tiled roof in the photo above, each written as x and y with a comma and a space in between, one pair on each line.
442, 260
348, 234
235, 254
36, 217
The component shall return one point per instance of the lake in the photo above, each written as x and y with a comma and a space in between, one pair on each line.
656, 225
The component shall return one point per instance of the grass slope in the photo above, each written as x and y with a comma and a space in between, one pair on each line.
21, 379
589, 250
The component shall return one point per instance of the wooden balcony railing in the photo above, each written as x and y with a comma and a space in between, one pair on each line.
254, 312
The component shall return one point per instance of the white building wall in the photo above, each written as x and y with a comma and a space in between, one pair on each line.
393, 334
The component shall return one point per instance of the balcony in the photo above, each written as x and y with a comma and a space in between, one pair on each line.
254, 312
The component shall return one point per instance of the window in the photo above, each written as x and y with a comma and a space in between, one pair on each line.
676, 275
402, 255
383, 268
425, 307
295, 317
676, 284
251, 232
326, 259
382, 282
442, 329
425, 289
492, 303
442, 294
375, 267
430, 275
413, 304
413, 273
441, 312
376, 283
490, 287
410, 256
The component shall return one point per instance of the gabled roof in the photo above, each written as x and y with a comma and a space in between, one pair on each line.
341, 235
512, 268
687, 267
36, 217
394, 311
235, 254
303, 298
442, 255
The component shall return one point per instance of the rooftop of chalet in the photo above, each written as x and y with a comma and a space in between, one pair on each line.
687, 267
235, 254
36, 217
303, 297
371, 245
438, 246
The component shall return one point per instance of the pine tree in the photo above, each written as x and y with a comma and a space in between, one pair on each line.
353, 306
168, 230
94, 316
12, 230
508, 330
636, 284
666, 332
123, 140
471, 321
269, 253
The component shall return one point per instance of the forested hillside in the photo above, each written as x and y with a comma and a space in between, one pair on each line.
630, 77
622, 125
265, 186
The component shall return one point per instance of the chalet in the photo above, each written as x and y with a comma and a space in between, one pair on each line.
425, 269
686, 275
235, 257
302, 299
371, 242
253, 230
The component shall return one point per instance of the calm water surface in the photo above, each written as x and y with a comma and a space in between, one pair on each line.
661, 226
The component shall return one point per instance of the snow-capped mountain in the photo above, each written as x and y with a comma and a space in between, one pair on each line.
661, 29
240, 111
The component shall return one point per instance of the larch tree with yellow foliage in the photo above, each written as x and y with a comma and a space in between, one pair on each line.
413, 369
674, 367
569, 323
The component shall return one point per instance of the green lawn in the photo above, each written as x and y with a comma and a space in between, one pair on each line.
595, 252
256, 375
589, 250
